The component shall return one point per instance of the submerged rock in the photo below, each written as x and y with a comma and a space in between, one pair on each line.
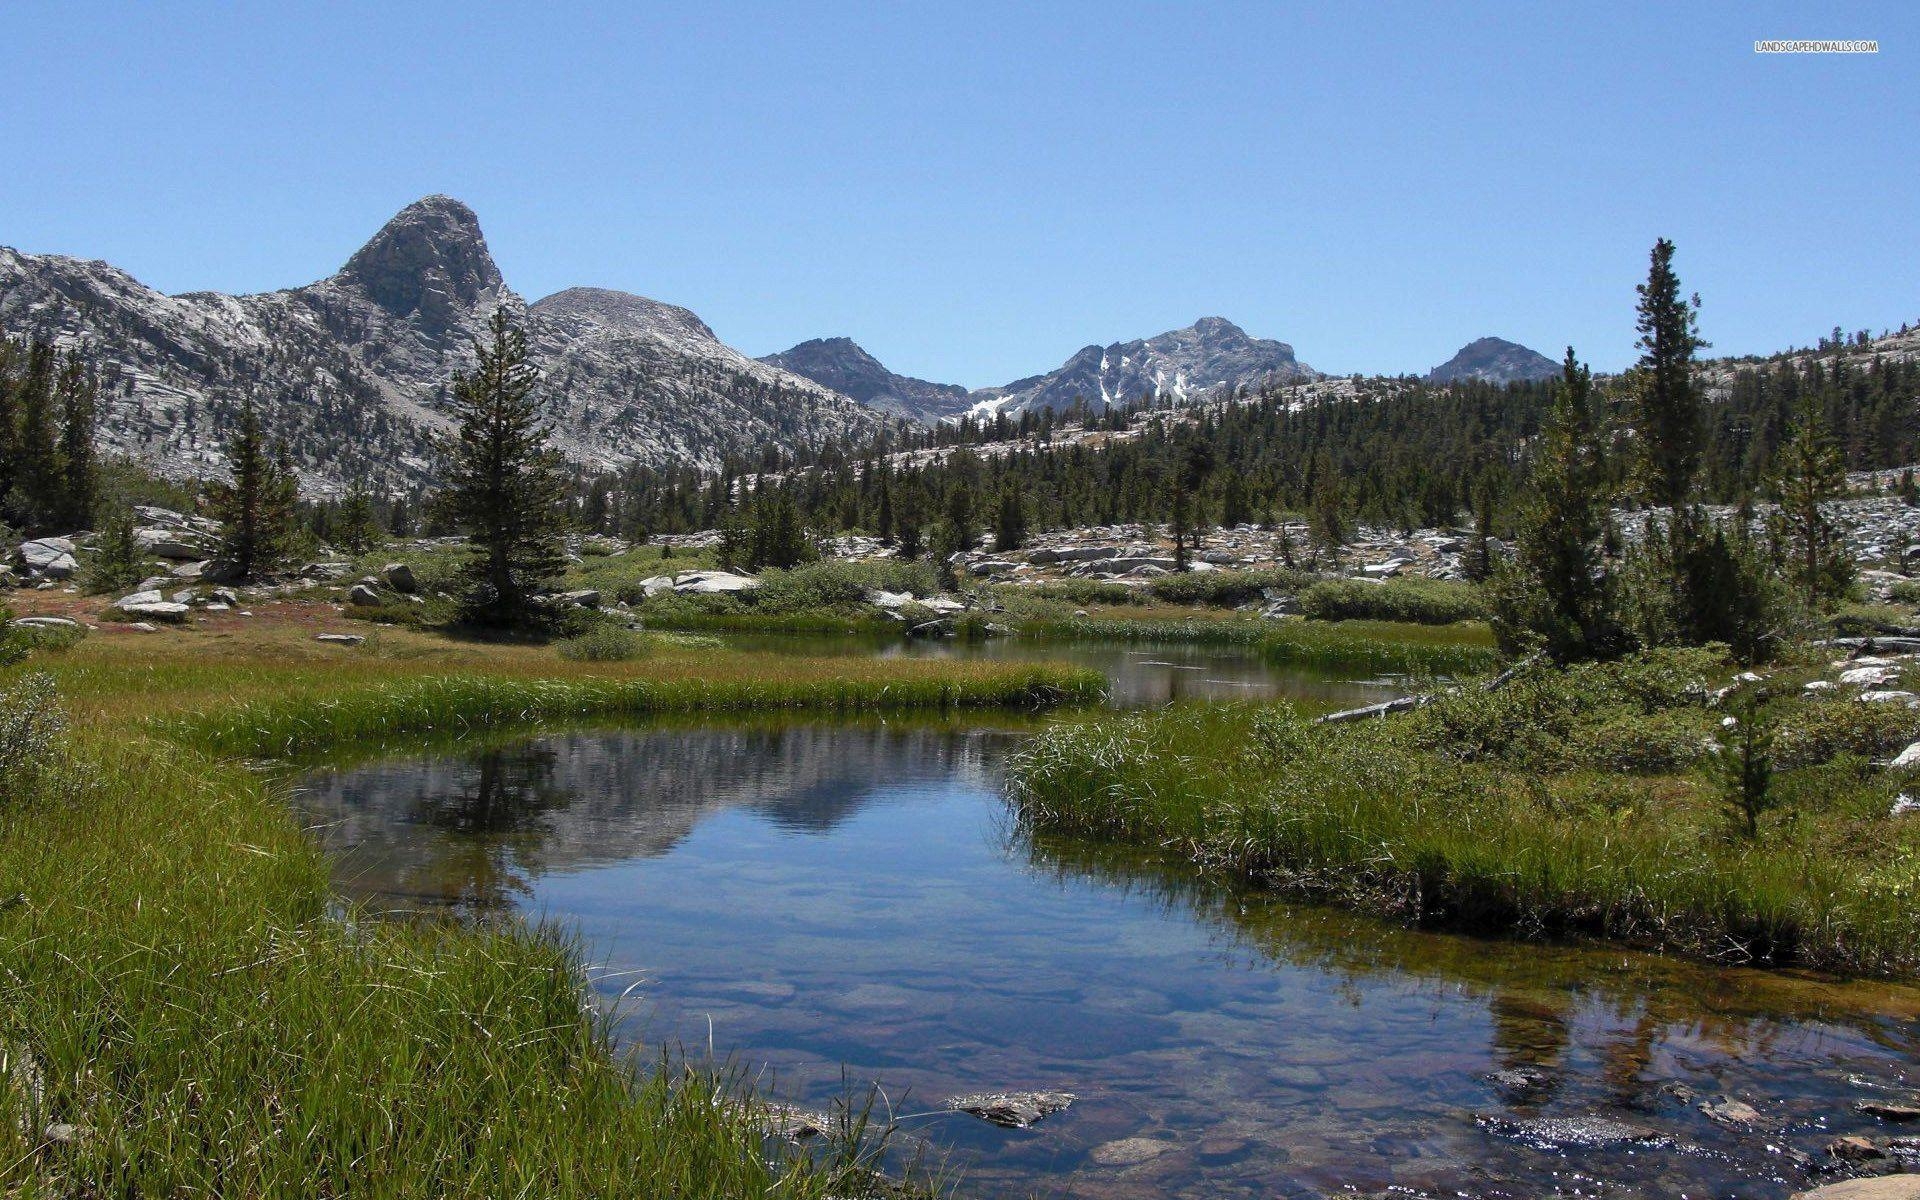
1889, 1110
1012, 1110
1881, 1187
1520, 1082
1726, 1110
1556, 1133
1128, 1151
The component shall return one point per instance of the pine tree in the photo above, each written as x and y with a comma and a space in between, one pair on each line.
32, 499
10, 356
118, 560
78, 393
1009, 521
505, 485
1808, 472
1327, 513
1558, 588
355, 526
256, 509
1667, 411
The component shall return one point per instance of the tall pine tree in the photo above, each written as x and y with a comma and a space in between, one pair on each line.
1557, 587
505, 485
256, 508
1809, 471
1667, 411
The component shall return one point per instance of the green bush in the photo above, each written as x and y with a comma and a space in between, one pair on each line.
1414, 601
838, 585
1907, 591
31, 722
604, 643
1083, 592
1634, 743
1226, 589
1816, 731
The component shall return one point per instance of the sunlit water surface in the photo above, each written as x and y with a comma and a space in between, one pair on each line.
851, 902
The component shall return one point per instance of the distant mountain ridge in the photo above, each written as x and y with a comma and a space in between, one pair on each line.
352, 370
841, 364
1494, 360
1188, 364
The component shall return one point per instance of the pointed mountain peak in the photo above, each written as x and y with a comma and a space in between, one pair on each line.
1217, 327
429, 261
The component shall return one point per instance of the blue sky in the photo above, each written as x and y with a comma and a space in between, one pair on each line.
973, 191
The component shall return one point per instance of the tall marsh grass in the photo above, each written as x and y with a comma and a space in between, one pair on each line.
1371, 646
180, 1016
1507, 812
300, 726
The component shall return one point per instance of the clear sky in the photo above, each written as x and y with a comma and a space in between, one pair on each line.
973, 191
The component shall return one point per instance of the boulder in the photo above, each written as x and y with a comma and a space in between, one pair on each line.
142, 597
890, 600
993, 567
339, 639
47, 558
362, 596
707, 583
154, 610
399, 577
584, 598
1910, 757
653, 585
46, 623
1895, 697
166, 543
1868, 676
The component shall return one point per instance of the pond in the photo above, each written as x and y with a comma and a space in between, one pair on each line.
836, 904
1139, 674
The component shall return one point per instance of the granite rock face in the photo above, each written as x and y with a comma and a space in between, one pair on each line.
353, 370
839, 363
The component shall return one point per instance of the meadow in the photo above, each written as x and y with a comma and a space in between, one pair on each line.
188, 1009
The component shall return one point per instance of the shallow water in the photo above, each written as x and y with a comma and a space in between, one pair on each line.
826, 898
1139, 674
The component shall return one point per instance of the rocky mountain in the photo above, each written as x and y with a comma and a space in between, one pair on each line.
352, 370
1494, 360
1189, 364
839, 363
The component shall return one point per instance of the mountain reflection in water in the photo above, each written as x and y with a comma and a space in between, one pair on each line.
824, 898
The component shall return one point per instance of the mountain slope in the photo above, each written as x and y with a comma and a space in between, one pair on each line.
1494, 360
1210, 354
352, 370
839, 363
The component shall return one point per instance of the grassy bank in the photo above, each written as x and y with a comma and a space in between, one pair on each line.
1371, 646
293, 726
1562, 804
184, 1011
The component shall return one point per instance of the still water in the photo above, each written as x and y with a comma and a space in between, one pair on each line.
851, 902
1139, 674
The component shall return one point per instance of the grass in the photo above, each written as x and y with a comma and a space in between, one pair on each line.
180, 982
1410, 601
1563, 804
1374, 646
